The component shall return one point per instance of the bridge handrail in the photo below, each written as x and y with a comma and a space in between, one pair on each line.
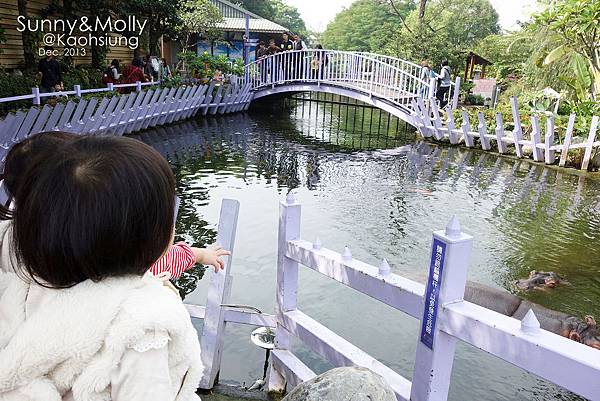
358, 71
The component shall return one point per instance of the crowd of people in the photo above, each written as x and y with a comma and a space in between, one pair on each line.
292, 67
145, 69
149, 68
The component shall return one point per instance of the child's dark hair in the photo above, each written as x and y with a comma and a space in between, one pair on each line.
100, 207
24, 155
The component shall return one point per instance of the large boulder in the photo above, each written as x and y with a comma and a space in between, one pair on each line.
348, 384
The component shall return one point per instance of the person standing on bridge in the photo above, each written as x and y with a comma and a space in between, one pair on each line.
261, 53
443, 84
286, 45
298, 56
425, 76
273, 64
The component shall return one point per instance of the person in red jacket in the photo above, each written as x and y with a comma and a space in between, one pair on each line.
133, 73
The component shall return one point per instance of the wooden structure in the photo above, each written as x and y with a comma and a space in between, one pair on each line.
542, 146
11, 55
120, 114
475, 67
446, 317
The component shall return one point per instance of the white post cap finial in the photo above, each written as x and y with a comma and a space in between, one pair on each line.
530, 323
290, 198
453, 227
317, 244
384, 268
347, 255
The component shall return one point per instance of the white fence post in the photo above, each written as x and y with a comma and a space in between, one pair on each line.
450, 254
287, 279
138, 86
36, 93
456, 93
213, 331
77, 89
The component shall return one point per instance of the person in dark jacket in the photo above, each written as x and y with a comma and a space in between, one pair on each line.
50, 73
287, 65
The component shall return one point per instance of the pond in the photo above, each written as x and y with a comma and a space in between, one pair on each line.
365, 181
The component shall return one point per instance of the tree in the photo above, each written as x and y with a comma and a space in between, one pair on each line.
162, 17
577, 23
28, 38
365, 25
449, 29
198, 17
279, 12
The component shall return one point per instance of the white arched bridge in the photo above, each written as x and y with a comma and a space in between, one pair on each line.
389, 83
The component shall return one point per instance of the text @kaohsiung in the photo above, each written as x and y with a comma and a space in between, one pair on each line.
74, 35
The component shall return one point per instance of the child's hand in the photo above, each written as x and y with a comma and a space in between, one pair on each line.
211, 256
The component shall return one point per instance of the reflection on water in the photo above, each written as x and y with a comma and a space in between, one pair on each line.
383, 203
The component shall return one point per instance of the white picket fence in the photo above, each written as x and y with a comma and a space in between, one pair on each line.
447, 318
429, 124
122, 114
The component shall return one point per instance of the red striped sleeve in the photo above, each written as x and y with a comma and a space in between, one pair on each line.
178, 259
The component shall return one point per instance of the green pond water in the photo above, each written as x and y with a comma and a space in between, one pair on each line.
358, 188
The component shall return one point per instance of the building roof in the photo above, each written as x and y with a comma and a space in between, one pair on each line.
235, 19
256, 25
478, 59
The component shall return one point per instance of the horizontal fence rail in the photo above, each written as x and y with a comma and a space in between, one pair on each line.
124, 114
428, 120
446, 318
439, 304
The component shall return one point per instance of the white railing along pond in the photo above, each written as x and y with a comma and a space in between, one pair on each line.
446, 318
542, 145
121, 114
394, 80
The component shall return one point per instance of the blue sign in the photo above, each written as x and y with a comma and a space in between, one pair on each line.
438, 254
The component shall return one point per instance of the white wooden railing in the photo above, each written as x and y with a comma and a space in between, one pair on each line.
445, 316
123, 114
394, 80
429, 123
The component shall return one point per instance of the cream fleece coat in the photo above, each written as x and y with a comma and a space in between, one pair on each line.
77, 337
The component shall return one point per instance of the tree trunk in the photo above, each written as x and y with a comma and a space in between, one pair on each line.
422, 4
67, 14
154, 34
27, 38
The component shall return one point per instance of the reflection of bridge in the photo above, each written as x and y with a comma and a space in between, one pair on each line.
388, 83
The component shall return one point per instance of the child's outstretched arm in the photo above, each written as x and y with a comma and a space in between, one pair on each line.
211, 256
181, 257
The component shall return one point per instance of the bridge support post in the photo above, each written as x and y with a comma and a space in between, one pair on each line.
287, 280
450, 253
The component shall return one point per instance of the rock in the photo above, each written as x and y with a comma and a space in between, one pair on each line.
348, 384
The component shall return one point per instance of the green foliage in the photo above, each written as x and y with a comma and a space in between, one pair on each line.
162, 17
449, 30
576, 22
508, 54
86, 76
364, 26
14, 85
280, 12
198, 17
205, 65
